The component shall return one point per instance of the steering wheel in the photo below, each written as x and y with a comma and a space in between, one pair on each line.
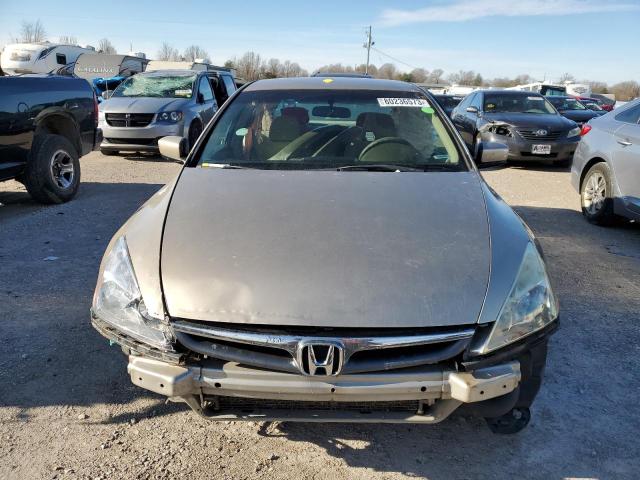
389, 150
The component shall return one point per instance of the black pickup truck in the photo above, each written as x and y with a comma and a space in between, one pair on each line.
47, 123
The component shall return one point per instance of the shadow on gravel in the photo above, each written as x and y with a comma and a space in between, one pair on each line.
49, 260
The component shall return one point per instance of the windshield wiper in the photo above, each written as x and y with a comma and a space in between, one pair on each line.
377, 168
223, 166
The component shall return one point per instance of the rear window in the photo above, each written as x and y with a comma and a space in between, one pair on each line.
317, 129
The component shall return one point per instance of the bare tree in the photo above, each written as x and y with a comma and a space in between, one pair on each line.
250, 65
598, 87
68, 40
419, 75
32, 32
435, 76
465, 77
196, 52
626, 91
106, 47
168, 54
566, 77
272, 69
387, 70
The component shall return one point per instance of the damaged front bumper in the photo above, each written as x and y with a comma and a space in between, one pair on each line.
422, 395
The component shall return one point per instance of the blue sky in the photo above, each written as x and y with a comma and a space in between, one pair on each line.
591, 39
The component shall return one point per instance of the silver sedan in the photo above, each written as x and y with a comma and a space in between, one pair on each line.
606, 166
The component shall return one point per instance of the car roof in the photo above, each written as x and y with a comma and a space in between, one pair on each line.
511, 92
336, 83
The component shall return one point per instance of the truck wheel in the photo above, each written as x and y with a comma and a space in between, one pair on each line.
511, 422
109, 153
596, 195
53, 170
195, 129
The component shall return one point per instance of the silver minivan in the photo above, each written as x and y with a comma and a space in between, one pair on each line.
152, 105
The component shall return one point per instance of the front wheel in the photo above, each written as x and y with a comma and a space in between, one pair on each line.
596, 195
53, 170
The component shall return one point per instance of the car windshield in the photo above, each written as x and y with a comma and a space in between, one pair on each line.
567, 104
323, 129
510, 103
163, 86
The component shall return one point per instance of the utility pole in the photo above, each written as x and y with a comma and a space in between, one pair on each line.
368, 47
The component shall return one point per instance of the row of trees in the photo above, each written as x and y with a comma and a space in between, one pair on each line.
192, 53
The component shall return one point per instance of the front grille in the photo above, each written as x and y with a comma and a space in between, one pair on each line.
286, 349
247, 405
531, 134
129, 119
132, 141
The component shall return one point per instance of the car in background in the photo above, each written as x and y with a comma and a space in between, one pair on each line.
47, 123
524, 121
573, 109
406, 287
21, 58
448, 102
606, 166
159, 103
591, 105
606, 102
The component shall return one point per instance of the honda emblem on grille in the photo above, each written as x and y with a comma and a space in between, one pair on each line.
320, 358
540, 133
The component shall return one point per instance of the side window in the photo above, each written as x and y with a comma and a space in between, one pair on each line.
228, 82
630, 115
466, 101
61, 58
205, 89
476, 101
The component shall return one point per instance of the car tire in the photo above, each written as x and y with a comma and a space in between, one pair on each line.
511, 422
109, 153
53, 170
195, 129
596, 195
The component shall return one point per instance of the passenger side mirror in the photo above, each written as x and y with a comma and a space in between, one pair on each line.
106, 94
173, 147
490, 154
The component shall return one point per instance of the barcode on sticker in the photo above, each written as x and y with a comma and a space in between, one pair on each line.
403, 102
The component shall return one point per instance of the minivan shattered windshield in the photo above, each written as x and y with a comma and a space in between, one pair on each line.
161, 86
326, 129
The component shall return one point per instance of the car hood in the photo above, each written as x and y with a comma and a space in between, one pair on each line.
142, 104
579, 115
530, 120
326, 249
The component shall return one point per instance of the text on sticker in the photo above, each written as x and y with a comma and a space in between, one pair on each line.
403, 102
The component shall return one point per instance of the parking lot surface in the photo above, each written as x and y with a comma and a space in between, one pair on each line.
68, 410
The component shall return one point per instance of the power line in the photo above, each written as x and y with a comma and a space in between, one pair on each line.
394, 58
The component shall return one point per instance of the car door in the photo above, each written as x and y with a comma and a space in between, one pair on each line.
626, 156
460, 115
467, 121
206, 100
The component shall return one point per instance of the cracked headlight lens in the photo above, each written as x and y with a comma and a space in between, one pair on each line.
530, 306
118, 301
574, 132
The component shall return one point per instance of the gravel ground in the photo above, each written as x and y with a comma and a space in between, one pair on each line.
67, 409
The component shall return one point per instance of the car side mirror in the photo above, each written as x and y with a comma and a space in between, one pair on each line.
200, 98
473, 110
173, 147
491, 154
106, 94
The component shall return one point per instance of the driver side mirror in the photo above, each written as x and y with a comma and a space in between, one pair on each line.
200, 98
106, 94
491, 154
473, 110
173, 147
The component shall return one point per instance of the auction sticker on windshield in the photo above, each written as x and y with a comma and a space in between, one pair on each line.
403, 102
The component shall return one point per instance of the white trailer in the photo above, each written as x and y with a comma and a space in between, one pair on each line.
556, 89
18, 58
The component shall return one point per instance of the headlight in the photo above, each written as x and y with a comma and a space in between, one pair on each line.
118, 300
501, 130
530, 306
170, 116
574, 132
